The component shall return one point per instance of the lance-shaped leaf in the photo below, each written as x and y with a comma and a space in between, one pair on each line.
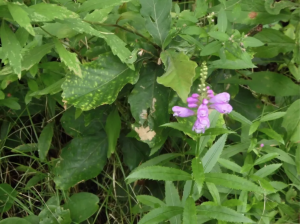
180, 72
20, 16
83, 159
45, 141
198, 173
172, 199
149, 104
113, 128
68, 58
189, 212
161, 214
96, 4
11, 48
100, 83
158, 18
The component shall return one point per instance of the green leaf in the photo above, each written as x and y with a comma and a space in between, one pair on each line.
272, 134
20, 16
232, 203
211, 48
14, 220
54, 214
96, 4
112, 129
32, 219
180, 72
266, 158
11, 48
218, 35
254, 127
230, 165
45, 140
150, 201
198, 173
263, 183
2, 95
82, 206
274, 8
212, 155
272, 116
158, 18
231, 181
161, 214
100, 83
11, 103
297, 159
43, 12
52, 89
83, 159
31, 147
252, 42
222, 213
189, 212
172, 199
68, 58
7, 197
214, 192
268, 83
160, 173
98, 15
201, 8
34, 180
291, 123
222, 21
283, 156
267, 170
278, 185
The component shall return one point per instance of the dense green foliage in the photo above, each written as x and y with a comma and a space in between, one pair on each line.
87, 133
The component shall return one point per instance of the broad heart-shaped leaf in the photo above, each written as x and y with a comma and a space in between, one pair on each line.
112, 128
100, 83
83, 159
82, 206
180, 72
11, 48
189, 212
232, 181
55, 214
43, 12
222, 213
68, 58
45, 140
269, 83
157, 14
14, 220
291, 123
20, 16
7, 195
149, 105
172, 199
160, 214
96, 4
160, 173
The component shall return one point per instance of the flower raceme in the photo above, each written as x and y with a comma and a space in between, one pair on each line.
218, 102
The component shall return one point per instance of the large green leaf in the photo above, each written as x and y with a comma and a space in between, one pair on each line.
112, 128
100, 83
96, 4
57, 29
275, 7
189, 212
45, 140
68, 58
11, 48
172, 199
291, 122
180, 72
7, 197
232, 181
14, 220
83, 159
158, 18
54, 214
161, 214
160, 173
222, 213
82, 206
149, 105
20, 16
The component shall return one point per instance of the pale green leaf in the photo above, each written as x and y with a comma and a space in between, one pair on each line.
82, 159
11, 48
180, 72
211, 48
218, 35
266, 158
96, 4
98, 15
52, 89
100, 83
278, 185
263, 183
274, 8
297, 159
14, 220
189, 212
20, 16
272, 134
238, 117
112, 128
232, 64
222, 21
230, 165
198, 173
232, 181
58, 30
150, 201
172, 199
52, 213
68, 58
252, 42
267, 170
161, 214
254, 127
222, 213
291, 122
45, 140
158, 18
232, 203
213, 190
160, 173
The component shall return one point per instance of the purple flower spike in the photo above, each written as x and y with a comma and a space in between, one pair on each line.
192, 100
220, 98
192, 105
223, 108
205, 101
210, 95
210, 91
195, 95
202, 111
182, 112
201, 124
